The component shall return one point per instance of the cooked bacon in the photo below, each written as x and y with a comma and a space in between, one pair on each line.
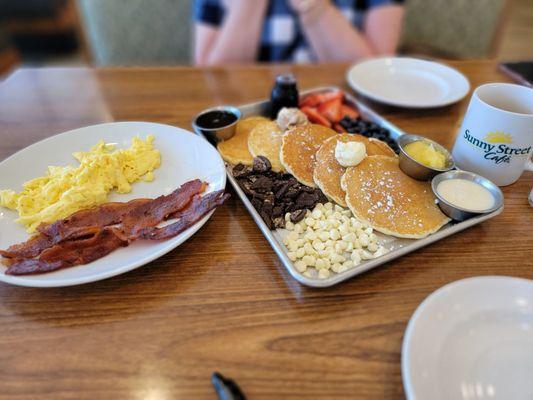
199, 207
83, 251
34, 246
32, 266
91, 234
28, 249
103, 215
89, 222
157, 210
70, 253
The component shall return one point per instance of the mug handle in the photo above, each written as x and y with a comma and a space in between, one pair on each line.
529, 165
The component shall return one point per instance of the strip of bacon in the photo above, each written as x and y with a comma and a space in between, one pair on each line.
199, 207
34, 246
159, 209
139, 212
32, 266
88, 243
103, 215
28, 249
70, 253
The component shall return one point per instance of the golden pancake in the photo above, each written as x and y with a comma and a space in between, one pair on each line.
378, 147
328, 172
265, 140
380, 194
235, 149
298, 149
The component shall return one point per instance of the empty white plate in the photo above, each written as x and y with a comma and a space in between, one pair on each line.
184, 156
471, 339
408, 82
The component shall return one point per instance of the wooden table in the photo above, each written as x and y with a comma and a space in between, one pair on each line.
222, 301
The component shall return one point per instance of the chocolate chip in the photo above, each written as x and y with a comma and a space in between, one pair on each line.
240, 171
262, 184
274, 194
292, 192
297, 216
280, 193
279, 222
257, 203
261, 164
306, 200
277, 211
267, 218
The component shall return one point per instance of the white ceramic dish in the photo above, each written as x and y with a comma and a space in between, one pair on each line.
184, 156
471, 339
408, 82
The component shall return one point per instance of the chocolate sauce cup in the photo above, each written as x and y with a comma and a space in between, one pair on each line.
218, 133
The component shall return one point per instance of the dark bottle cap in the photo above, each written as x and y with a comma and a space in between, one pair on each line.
286, 80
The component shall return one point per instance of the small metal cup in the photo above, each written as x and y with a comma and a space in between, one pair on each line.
216, 135
418, 170
458, 213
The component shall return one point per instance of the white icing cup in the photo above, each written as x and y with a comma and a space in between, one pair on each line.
496, 137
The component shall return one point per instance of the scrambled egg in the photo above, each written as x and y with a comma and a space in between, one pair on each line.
65, 190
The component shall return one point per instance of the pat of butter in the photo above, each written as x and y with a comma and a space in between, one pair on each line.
425, 153
349, 154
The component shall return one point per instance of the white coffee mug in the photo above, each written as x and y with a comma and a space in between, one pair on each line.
496, 137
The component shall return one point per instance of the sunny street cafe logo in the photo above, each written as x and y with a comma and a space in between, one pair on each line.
496, 146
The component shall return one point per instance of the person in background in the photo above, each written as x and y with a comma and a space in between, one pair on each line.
244, 31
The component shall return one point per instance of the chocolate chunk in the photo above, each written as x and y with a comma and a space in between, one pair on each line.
293, 191
306, 200
268, 208
274, 194
241, 171
279, 222
280, 193
262, 184
256, 203
261, 164
321, 197
267, 218
245, 186
277, 211
297, 216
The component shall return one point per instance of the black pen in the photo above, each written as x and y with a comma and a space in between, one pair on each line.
226, 388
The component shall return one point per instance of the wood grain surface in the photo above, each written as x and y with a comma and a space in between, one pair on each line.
222, 301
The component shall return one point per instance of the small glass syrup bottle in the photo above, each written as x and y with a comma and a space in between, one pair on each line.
284, 94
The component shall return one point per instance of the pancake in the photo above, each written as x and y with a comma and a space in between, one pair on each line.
298, 149
265, 140
328, 172
235, 149
379, 147
380, 194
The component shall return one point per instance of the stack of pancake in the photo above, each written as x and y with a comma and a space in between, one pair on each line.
376, 190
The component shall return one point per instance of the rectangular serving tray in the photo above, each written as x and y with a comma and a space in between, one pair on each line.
397, 247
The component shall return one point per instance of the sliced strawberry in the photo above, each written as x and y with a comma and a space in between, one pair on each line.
349, 111
339, 128
331, 109
315, 117
311, 100
315, 99
327, 96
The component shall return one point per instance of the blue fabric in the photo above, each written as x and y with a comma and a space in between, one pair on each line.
282, 38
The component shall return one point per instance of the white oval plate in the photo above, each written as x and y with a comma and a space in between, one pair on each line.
471, 339
184, 156
408, 82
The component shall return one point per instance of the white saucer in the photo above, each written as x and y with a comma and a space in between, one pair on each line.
408, 82
471, 339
